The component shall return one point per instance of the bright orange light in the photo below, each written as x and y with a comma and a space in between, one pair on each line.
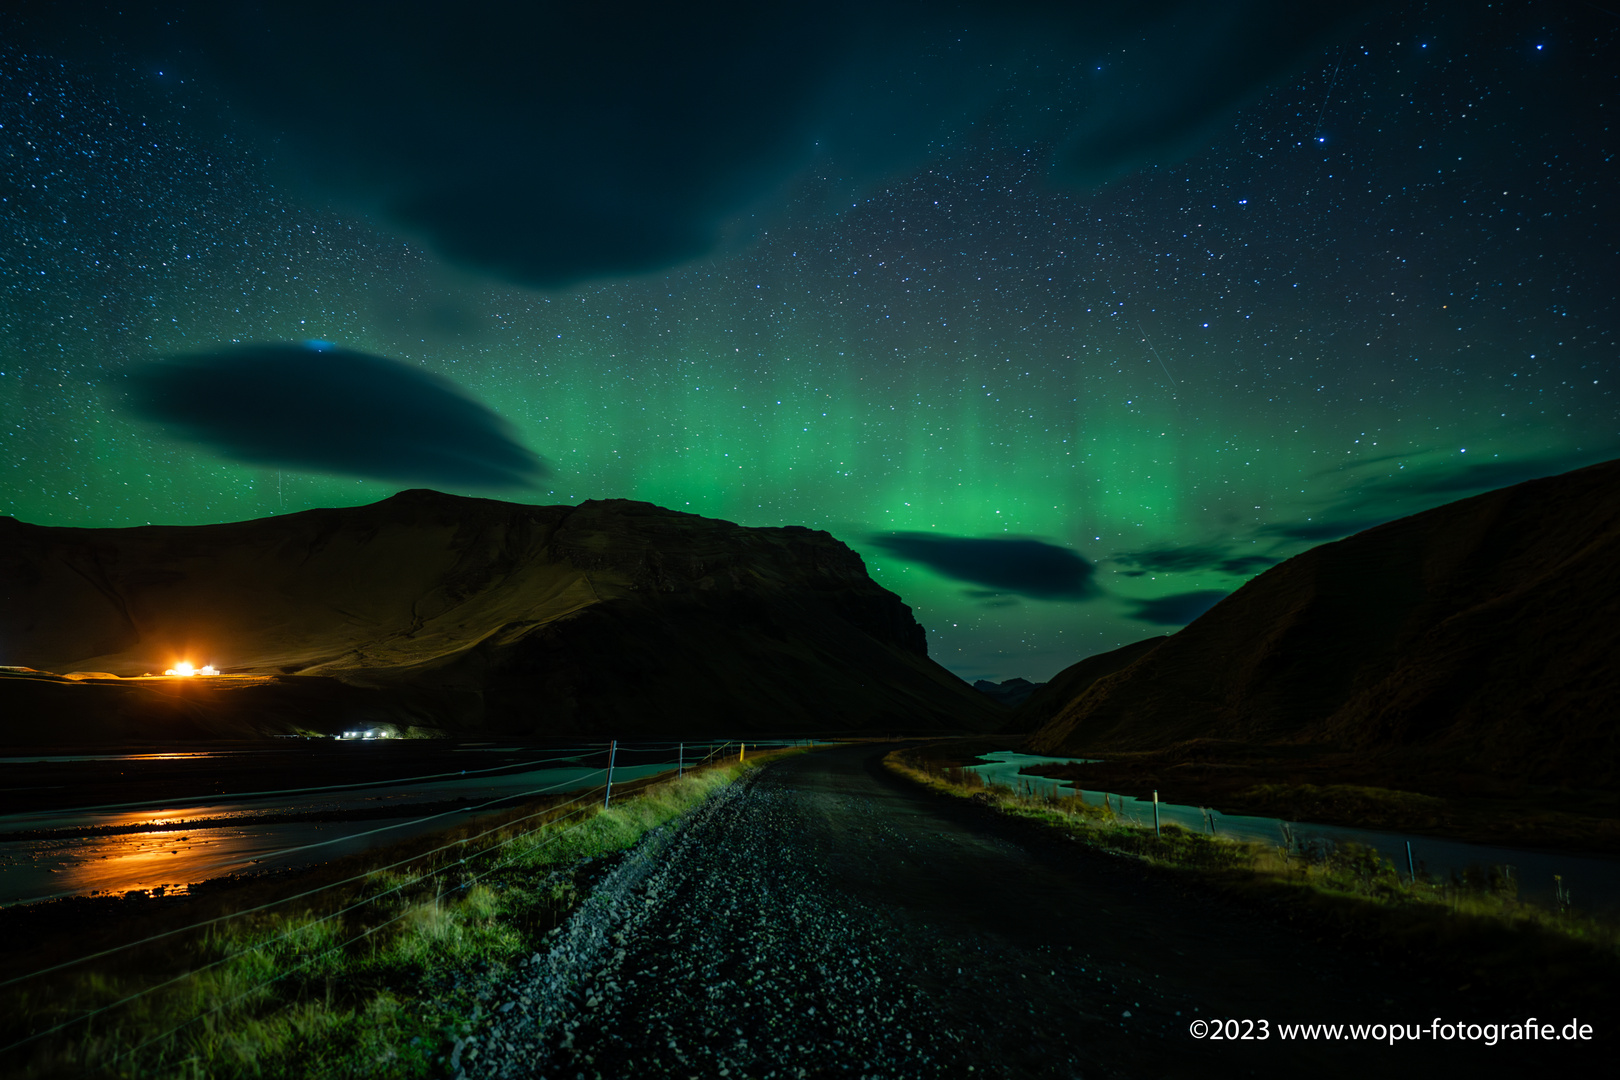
185, 669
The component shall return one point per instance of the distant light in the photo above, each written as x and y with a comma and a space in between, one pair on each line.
1540, 47
185, 670
1321, 138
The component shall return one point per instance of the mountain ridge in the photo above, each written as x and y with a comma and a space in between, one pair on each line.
466, 612
1478, 635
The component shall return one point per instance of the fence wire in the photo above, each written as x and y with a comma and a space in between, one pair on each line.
416, 858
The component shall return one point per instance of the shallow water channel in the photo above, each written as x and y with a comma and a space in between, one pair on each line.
154, 847
1592, 881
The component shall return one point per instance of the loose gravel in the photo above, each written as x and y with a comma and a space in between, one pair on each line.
723, 946
818, 919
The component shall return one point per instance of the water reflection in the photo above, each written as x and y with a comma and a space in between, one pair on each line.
176, 845
177, 756
170, 863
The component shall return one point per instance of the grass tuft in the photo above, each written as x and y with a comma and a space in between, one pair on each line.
373, 982
1474, 921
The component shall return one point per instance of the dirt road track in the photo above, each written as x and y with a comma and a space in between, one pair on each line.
827, 919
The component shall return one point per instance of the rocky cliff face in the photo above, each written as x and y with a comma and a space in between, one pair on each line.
1479, 636
468, 615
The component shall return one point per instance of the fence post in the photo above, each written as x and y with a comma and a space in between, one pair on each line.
680, 762
1155, 811
1411, 871
613, 752
741, 747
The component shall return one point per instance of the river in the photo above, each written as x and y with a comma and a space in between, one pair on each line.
1591, 882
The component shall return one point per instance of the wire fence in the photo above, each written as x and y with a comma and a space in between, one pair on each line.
583, 802
257, 946
222, 866
359, 785
309, 961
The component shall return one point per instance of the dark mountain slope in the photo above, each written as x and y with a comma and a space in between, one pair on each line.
1052, 697
467, 615
1479, 636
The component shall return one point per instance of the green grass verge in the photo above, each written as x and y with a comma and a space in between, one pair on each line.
376, 980
1475, 922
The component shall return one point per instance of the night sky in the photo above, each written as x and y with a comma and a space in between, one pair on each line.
1068, 346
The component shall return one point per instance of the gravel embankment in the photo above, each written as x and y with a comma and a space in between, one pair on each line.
716, 950
821, 919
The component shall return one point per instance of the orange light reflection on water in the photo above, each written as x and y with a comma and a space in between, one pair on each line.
137, 862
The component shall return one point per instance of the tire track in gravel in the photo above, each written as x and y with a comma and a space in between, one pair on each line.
824, 919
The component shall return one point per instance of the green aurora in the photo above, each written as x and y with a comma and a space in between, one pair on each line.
1182, 376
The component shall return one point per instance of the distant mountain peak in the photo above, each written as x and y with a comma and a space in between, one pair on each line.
1009, 692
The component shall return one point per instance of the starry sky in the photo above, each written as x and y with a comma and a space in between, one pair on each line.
1062, 391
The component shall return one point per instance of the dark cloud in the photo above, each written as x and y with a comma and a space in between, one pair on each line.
1326, 529
1463, 477
550, 143
1243, 565
1348, 467
1373, 500
1425, 473
1027, 567
1194, 557
320, 408
1178, 609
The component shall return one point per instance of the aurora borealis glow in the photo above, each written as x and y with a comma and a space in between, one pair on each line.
1386, 283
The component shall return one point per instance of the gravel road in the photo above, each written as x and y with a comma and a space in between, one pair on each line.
826, 919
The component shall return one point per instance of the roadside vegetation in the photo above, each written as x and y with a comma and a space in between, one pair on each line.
378, 978
1474, 923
